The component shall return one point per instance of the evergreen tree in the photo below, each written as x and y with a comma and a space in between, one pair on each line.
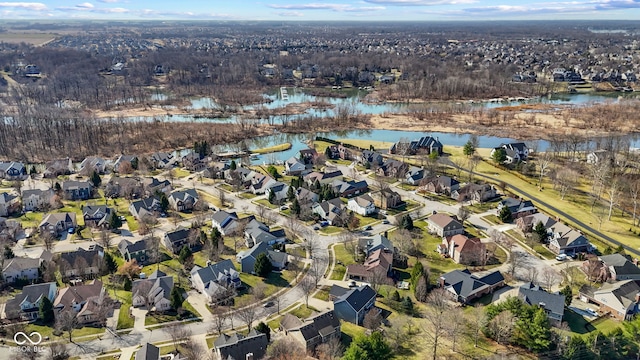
215, 235
469, 148
8, 253
233, 165
57, 187
568, 295
295, 207
176, 298
505, 215
372, 347
536, 332
185, 253
291, 195
272, 197
46, 310
134, 163
110, 263
114, 221
95, 179
416, 273
164, 201
407, 305
499, 156
395, 296
127, 284
328, 153
263, 266
33, 170
540, 230
406, 222
265, 329
273, 172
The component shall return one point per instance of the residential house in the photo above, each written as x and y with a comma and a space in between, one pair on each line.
621, 267
126, 187
527, 223
308, 156
330, 210
552, 303
344, 153
565, 240
305, 196
130, 159
215, 280
426, 145
516, 152
293, 166
466, 287
162, 160
256, 232
598, 156
259, 183
97, 216
337, 292
153, 292
377, 267
153, 186
379, 242
58, 167
464, 250
9, 229
150, 206
392, 168
237, 177
193, 162
77, 190
313, 331
36, 199
83, 263
26, 305
9, 204
474, 193
13, 170
349, 188
21, 268
83, 300
175, 240
518, 207
57, 223
253, 346
148, 352
620, 299
183, 200
387, 199
93, 163
216, 170
372, 158
444, 225
362, 205
136, 250
440, 185
247, 258
226, 223
322, 178
414, 175
354, 304
279, 190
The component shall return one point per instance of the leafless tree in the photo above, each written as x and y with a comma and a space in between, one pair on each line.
633, 194
220, 315
261, 211
286, 349
544, 162
48, 239
177, 332
614, 191
455, 324
564, 180
476, 322
258, 291
66, 321
193, 350
247, 311
502, 326
105, 239
331, 350
532, 274
80, 266
436, 321
516, 260
372, 319
57, 351
29, 353
308, 286
463, 214
549, 277
378, 277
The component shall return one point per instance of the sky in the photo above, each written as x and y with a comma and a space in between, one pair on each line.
314, 10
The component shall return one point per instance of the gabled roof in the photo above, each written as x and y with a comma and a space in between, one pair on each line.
77, 294
214, 272
184, 195
149, 204
338, 291
358, 297
37, 193
20, 263
624, 292
220, 217
54, 218
88, 255
534, 295
464, 284
379, 241
443, 220
148, 352
126, 245
29, 294
322, 324
6, 198
178, 235
621, 264
237, 346
71, 185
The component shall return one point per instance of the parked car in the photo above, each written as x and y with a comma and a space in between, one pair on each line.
368, 228
352, 284
268, 304
316, 227
284, 207
592, 312
71, 230
561, 257
386, 222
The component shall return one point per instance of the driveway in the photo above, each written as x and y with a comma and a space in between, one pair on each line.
139, 314
199, 302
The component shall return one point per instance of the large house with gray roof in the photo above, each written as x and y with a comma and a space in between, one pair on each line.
215, 280
21, 268
26, 305
226, 223
77, 190
145, 207
515, 152
240, 347
136, 250
154, 292
620, 299
621, 267
9, 204
313, 331
57, 223
256, 232
36, 199
444, 225
183, 200
552, 303
13, 170
466, 287
426, 144
177, 239
247, 258
354, 304
565, 240
148, 352
97, 216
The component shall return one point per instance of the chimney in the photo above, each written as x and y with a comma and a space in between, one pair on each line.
638, 298
249, 356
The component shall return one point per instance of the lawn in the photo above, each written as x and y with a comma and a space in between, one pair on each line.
180, 173
266, 203
275, 148
48, 331
272, 283
158, 318
492, 219
366, 143
323, 293
124, 320
349, 332
436, 263
365, 220
303, 312
247, 195
331, 230
343, 258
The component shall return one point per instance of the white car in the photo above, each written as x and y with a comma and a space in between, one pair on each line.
592, 312
561, 257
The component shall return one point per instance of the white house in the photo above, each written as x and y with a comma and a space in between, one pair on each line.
154, 291
362, 205
20, 268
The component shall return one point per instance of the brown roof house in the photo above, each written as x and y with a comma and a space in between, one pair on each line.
376, 268
84, 300
474, 193
464, 250
387, 199
444, 225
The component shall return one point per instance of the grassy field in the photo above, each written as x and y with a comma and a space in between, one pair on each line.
271, 149
303, 312
266, 203
343, 258
437, 263
323, 293
366, 143
331, 230
29, 38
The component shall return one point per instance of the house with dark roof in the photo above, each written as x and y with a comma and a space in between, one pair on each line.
305, 196
247, 258
83, 300
526, 224
349, 188
620, 299
444, 225
552, 303
77, 190
337, 291
131, 159
387, 199
84, 263
330, 211
414, 175
136, 250
9, 229
621, 267
193, 161
153, 186
464, 250
148, 352
55, 168
216, 170
293, 166
162, 160
322, 178
97, 216
516, 152
150, 206
354, 304
313, 331
518, 207
26, 305
377, 267
466, 287
57, 223
36, 199
183, 200
426, 145
21, 268
175, 240
126, 187
372, 158
215, 280
13, 170
566, 240
392, 168
279, 190
256, 232
226, 223
240, 347
154, 291
308, 156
